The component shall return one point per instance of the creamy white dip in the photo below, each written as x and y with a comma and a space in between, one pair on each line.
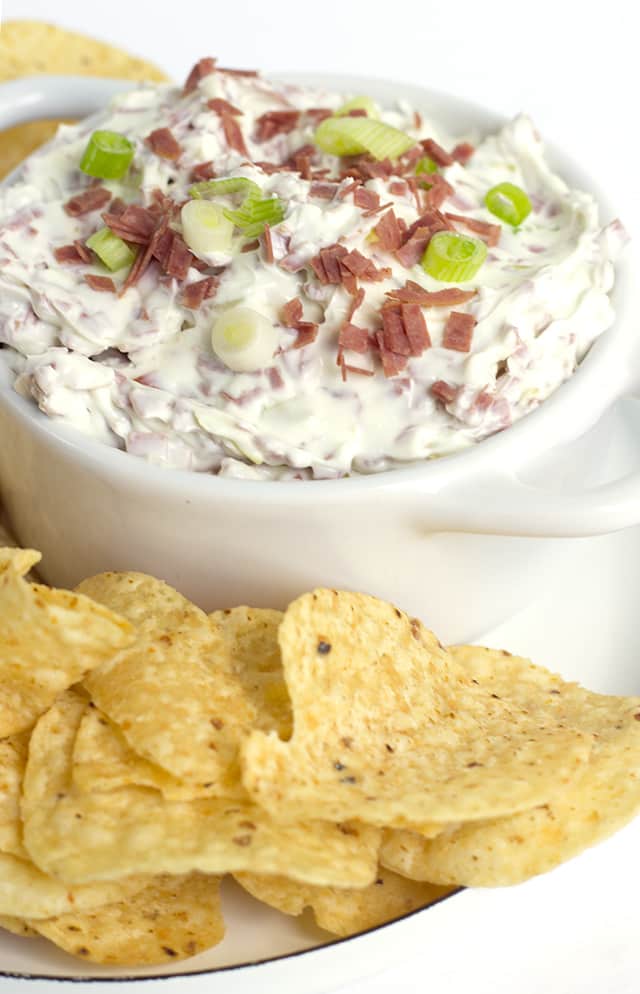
137, 370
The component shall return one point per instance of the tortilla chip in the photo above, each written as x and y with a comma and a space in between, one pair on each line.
501, 851
251, 635
172, 694
103, 760
28, 48
18, 926
171, 919
345, 911
49, 639
79, 836
391, 730
27, 892
13, 760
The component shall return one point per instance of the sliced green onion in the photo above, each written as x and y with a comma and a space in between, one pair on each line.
426, 165
508, 202
244, 339
225, 187
453, 258
254, 213
108, 155
111, 250
354, 135
205, 227
358, 103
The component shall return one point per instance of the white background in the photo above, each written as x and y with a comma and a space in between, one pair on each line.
574, 68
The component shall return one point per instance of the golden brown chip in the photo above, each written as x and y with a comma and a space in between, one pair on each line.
13, 760
27, 892
18, 926
79, 836
29, 48
500, 851
49, 639
389, 729
171, 919
172, 693
103, 760
345, 911
251, 635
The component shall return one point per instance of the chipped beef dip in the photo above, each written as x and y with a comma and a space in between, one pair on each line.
345, 355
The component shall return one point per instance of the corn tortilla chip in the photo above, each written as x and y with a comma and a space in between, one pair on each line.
251, 635
49, 639
103, 760
169, 920
389, 729
13, 760
345, 911
18, 926
172, 694
78, 836
27, 892
501, 851
29, 48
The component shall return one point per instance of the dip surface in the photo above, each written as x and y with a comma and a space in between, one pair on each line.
353, 382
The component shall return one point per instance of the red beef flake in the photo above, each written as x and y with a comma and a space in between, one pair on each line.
103, 284
388, 232
438, 191
356, 301
276, 122
68, 253
323, 191
220, 106
91, 200
353, 338
463, 152
363, 268
251, 246
432, 220
398, 188
272, 167
367, 199
408, 160
349, 188
135, 224
162, 247
413, 249
143, 259
238, 72
328, 270
371, 169
267, 243
346, 368
444, 392
394, 338
117, 207
203, 171
83, 251
415, 328
356, 112
490, 233
437, 153
201, 69
413, 293
195, 293
302, 164
163, 143
233, 134
291, 313
458, 332
307, 333
392, 362
318, 114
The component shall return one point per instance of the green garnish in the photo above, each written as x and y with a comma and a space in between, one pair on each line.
224, 187
426, 165
358, 103
354, 135
108, 155
255, 212
508, 202
111, 250
453, 258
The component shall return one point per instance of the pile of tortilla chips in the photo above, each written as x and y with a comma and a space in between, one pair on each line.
333, 757
31, 48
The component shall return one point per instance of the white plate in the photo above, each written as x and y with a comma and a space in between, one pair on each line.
584, 625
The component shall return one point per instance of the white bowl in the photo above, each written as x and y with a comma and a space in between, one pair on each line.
460, 540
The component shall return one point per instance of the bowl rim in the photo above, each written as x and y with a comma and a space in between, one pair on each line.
602, 376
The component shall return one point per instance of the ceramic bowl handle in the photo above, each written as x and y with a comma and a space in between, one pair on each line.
45, 97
